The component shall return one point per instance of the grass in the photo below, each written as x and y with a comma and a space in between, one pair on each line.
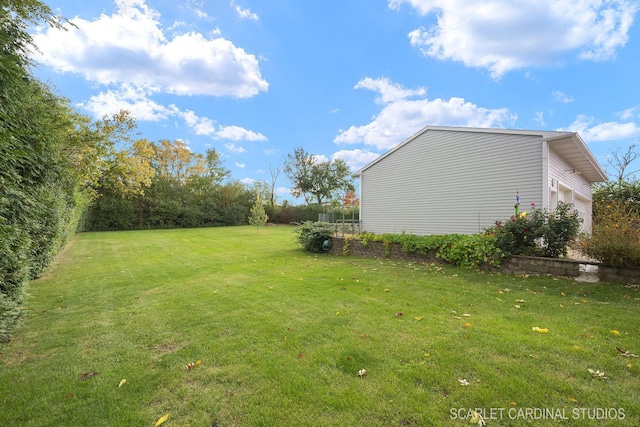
281, 335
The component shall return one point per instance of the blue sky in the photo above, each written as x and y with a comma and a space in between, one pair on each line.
347, 79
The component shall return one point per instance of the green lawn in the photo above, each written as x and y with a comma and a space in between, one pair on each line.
282, 334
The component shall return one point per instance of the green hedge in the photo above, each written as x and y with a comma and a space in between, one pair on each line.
458, 249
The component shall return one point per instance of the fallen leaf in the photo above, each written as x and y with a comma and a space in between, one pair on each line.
625, 353
477, 418
192, 365
300, 355
541, 330
88, 375
615, 332
122, 382
464, 382
466, 325
162, 419
398, 314
597, 374
417, 318
466, 315
573, 400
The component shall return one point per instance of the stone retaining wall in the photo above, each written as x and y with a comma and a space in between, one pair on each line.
579, 270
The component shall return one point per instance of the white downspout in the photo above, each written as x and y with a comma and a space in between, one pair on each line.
546, 195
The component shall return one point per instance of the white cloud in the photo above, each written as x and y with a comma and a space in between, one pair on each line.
137, 101
234, 148
207, 126
244, 13
539, 118
200, 125
504, 35
131, 98
355, 159
389, 91
401, 117
196, 7
283, 191
598, 132
241, 165
236, 133
130, 47
562, 97
320, 158
628, 113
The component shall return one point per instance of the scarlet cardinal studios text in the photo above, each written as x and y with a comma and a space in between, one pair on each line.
537, 413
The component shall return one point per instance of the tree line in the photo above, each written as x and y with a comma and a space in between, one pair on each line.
61, 171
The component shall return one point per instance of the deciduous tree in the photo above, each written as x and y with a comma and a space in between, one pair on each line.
258, 216
316, 180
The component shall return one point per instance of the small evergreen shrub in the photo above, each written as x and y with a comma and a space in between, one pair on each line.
312, 235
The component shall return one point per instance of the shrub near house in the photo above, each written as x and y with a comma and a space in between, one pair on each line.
537, 233
615, 237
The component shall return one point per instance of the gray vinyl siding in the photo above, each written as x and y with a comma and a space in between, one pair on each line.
444, 182
559, 170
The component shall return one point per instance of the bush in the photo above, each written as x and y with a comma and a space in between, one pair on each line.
615, 193
14, 274
538, 233
615, 238
312, 235
458, 249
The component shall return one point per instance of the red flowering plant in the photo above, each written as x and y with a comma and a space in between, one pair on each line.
538, 232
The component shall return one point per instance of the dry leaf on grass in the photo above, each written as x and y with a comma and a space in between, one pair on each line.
597, 374
162, 419
192, 365
88, 375
625, 353
477, 418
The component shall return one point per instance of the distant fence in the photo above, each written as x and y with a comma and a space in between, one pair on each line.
342, 226
346, 227
581, 271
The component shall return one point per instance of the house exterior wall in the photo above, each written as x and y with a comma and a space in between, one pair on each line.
444, 182
569, 187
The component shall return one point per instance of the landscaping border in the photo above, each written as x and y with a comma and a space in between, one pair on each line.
581, 271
